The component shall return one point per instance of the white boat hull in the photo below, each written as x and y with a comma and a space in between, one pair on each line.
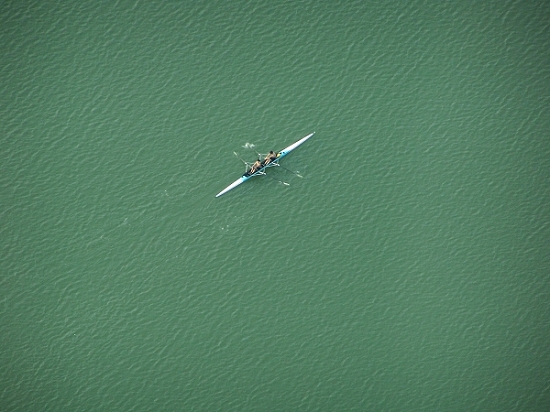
233, 185
293, 146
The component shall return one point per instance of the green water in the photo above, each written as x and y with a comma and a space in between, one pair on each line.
408, 270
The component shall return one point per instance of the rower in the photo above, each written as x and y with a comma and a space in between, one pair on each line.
255, 167
270, 157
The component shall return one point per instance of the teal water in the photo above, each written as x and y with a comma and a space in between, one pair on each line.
408, 270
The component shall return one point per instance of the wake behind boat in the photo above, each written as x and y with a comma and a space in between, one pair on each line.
260, 169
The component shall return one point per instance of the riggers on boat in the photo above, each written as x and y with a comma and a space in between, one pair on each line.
261, 171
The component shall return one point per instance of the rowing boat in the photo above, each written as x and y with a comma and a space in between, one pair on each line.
261, 171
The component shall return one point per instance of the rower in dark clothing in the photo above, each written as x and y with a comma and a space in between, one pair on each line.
271, 156
255, 167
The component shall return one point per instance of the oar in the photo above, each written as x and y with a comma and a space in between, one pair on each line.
238, 157
277, 180
258, 154
247, 165
288, 170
